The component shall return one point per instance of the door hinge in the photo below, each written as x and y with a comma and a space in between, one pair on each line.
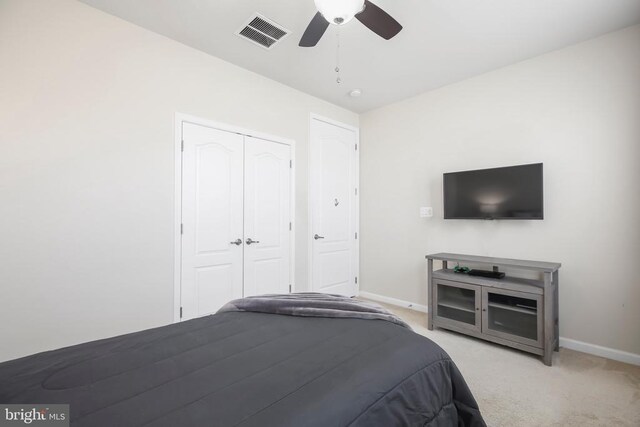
356, 191
289, 288
289, 226
182, 145
356, 147
356, 235
181, 312
181, 228
290, 164
356, 280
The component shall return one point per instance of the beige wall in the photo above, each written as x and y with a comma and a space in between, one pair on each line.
578, 111
87, 104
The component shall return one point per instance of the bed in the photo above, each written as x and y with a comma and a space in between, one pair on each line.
248, 366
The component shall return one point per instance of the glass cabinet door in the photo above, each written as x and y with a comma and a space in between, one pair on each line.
516, 316
457, 304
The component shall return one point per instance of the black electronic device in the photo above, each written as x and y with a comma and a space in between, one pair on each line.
513, 192
486, 273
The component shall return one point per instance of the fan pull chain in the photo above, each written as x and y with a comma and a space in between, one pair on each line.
338, 79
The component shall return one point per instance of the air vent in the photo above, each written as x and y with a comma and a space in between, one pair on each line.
262, 31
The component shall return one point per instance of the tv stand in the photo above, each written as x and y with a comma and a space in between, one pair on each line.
512, 311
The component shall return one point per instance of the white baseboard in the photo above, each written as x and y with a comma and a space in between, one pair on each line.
394, 301
584, 347
598, 350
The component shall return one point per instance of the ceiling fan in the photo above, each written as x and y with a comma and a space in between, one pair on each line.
339, 12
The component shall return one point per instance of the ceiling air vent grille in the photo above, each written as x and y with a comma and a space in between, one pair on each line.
263, 32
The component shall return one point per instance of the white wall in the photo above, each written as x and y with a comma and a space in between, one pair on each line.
87, 104
578, 111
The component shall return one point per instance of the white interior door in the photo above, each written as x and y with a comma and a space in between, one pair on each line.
212, 212
267, 198
333, 208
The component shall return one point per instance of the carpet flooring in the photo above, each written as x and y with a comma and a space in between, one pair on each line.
515, 389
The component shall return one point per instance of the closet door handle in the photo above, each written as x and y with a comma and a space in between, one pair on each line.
238, 242
249, 241
318, 237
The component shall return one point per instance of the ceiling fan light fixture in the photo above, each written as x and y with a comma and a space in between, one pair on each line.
339, 12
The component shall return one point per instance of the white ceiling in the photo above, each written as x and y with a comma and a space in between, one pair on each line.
443, 41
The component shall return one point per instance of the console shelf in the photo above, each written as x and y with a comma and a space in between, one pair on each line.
513, 308
455, 306
513, 311
512, 283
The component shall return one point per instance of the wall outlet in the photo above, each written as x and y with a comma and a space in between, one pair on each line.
426, 212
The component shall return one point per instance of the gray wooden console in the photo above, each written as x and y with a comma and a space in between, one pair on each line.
517, 312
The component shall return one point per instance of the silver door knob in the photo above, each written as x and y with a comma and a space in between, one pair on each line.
318, 237
237, 242
249, 241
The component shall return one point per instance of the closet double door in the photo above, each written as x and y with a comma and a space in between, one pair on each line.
236, 197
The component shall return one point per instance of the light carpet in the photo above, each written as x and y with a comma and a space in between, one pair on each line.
516, 389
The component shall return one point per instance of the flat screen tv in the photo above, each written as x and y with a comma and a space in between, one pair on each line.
513, 192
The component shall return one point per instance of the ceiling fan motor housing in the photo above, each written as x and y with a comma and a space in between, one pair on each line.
339, 12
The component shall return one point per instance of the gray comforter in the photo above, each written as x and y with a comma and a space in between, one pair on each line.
243, 368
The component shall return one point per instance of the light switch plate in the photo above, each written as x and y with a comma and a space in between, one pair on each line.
426, 212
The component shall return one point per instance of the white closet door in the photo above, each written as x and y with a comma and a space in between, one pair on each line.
212, 187
267, 216
333, 209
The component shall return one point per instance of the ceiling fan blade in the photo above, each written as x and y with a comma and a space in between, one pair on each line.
314, 31
378, 21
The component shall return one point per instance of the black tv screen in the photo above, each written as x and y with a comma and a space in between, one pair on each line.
513, 192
